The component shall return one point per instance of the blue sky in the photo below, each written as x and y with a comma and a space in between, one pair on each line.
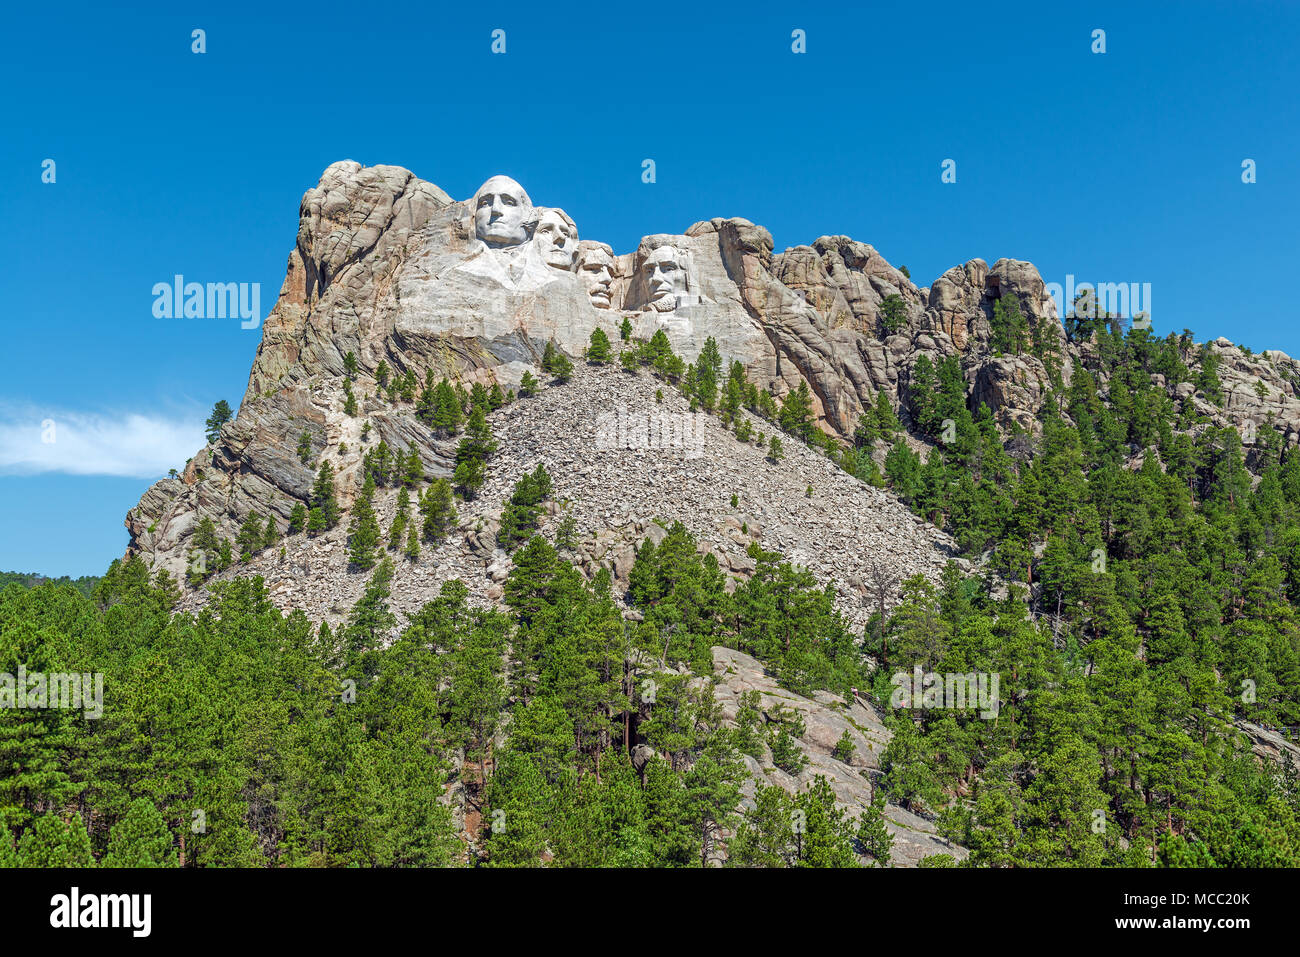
1119, 167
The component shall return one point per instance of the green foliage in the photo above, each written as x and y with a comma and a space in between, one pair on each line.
600, 350
437, 511
893, 314
323, 503
555, 362
520, 516
473, 452
140, 839
298, 518
221, 414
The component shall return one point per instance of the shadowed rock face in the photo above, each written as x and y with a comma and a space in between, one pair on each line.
391, 268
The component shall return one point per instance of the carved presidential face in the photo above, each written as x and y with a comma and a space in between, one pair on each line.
666, 278
597, 271
501, 210
556, 239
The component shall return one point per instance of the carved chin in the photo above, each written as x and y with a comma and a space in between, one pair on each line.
600, 299
665, 303
503, 237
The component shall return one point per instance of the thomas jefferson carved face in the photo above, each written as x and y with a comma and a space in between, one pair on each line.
501, 211
556, 238
597, 271
666, 278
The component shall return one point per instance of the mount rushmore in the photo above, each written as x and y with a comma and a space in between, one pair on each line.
390, 268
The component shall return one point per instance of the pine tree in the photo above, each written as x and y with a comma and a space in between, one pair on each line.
271, 536
600, 351
53, 842
401, 518
625, 329
448, 413
528, 385
707, 371
350, 365
249, 540
322, 496
363, 534
437, 511
561, 367
873, 833
796, 411
297, 518
774, 451
413, 471
221, 414
204, 549
140, 839
304, 447
893, 314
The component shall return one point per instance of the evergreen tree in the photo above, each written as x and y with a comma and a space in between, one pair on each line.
249, 540
322, 496
437, 511
271, 535
893, 314
140, 839
221, 414
600, 350
363, 533
54, 842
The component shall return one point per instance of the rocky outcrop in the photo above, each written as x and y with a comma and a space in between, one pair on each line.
391, 269
826, 717
619, 486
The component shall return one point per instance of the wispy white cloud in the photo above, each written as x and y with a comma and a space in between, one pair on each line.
124, 444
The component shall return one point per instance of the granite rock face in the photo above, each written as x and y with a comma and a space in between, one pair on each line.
826, 717
392, 269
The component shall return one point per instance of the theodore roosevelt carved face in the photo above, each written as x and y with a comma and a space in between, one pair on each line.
597, 271
501, 212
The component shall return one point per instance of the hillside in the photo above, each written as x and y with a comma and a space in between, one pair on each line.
520, 552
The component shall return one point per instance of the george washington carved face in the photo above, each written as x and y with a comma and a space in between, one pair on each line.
501, 212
